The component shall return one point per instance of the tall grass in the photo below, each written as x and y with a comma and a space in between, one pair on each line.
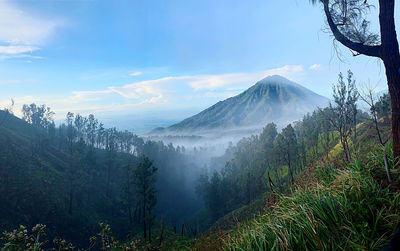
347, 210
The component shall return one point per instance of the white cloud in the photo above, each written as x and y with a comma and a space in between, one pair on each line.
78, 105
18, 103
79, 96
20, 27
17, 49
21, 32
213, 82
315, 67
143, 92
137, 73
21, 55
162, 92
153, 91
220, 95
144, 89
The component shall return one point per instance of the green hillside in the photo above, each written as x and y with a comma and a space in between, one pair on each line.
319, 184
330, 206
71, 186
42, 182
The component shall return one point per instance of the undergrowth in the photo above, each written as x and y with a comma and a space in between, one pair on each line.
349, 209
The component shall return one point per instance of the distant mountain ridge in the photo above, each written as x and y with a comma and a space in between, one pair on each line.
272, 99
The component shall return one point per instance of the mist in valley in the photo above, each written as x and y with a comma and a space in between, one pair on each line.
199, 125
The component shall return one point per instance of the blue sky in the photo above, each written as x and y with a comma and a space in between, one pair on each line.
134, 62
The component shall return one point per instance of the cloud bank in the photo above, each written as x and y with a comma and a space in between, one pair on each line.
172, 92
22, 33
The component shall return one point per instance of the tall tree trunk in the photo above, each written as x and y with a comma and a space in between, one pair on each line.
391, 58
248, 188
376, 122
150, 231
108, 180
290, 168
162, 231
130, 215
343, 140
348, 150
304, 153
327, 139
144, 219
71, 196
277, 178
393, 77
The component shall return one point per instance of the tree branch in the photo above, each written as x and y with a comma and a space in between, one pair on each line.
361, 48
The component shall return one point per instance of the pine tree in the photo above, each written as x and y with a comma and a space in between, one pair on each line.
144, 177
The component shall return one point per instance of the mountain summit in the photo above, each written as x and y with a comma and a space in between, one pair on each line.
272, 99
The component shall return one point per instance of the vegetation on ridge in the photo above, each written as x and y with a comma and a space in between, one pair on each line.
288, 190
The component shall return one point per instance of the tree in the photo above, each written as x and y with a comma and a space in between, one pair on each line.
311, 130
39, 116
91, 128
128, 193
214, 196
369, 98
286, 148
347, 22
267, 138
144, 178
70, 130
342, 116
111, 152
80, 125
383, 106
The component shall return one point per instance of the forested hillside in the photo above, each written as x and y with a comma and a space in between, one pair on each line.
78, 174
180, 125
317, 184
336, 200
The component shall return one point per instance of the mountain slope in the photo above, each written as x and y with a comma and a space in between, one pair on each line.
36, 176
273, 99
54, 178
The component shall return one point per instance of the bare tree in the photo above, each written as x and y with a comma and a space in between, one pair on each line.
347, 20
369, 97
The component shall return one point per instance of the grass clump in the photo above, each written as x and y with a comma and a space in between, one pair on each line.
348, 209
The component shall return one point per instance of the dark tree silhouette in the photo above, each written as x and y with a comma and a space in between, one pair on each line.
144, 177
